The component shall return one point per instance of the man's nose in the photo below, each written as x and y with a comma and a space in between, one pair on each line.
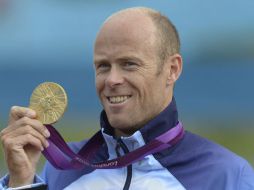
114, 78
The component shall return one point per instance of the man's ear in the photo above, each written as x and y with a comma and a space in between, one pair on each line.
174, 68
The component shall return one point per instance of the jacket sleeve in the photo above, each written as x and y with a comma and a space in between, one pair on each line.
246, 180
37, 185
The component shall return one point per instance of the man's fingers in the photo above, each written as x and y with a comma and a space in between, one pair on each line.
37, 125
18, 112
26, 125
21, 141
30, 130
24, 135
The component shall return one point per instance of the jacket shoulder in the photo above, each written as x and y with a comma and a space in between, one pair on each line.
198, 159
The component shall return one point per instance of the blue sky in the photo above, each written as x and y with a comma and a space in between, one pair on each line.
65, 30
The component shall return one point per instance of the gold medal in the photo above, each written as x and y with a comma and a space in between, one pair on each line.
49, 100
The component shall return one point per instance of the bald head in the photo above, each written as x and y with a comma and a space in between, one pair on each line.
160, 29
131, 69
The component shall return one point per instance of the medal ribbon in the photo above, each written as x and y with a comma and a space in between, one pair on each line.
62, 157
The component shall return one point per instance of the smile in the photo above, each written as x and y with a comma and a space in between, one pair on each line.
117, 99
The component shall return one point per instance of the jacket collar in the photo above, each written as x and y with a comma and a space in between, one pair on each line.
167, 119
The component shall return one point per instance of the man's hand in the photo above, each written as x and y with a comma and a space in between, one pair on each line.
23, 140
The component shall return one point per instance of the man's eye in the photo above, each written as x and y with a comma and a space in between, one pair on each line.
130, 64
103, 66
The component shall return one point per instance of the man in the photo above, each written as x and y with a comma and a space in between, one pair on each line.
137, 63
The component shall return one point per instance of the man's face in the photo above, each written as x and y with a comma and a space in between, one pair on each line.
127, 80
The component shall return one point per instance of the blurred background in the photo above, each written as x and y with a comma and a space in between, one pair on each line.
52, 40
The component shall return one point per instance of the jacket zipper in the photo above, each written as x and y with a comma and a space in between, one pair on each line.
125, 149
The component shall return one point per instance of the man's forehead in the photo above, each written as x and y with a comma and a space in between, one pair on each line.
135, 13
127, 24
129, 18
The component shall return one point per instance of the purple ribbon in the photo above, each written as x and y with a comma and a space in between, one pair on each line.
62, 157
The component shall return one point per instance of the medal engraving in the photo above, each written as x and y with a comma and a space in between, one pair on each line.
49, 100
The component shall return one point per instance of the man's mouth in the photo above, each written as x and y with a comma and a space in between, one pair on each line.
117, 99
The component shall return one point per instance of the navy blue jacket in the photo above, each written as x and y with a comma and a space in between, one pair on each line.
194, 163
